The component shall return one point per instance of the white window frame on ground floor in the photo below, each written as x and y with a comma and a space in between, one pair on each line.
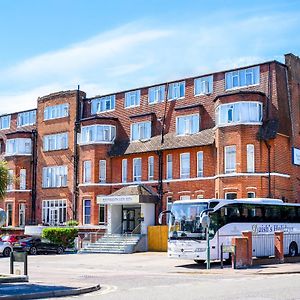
59, 206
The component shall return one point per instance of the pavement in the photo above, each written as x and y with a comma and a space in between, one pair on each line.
120, 274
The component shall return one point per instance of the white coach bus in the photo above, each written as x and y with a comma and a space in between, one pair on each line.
187, 238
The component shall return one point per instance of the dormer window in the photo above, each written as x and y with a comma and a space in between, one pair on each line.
132, 99
103, 104
188, 124
141, 131
176, 90
156, 94
203, 85
241, 78
5, 122
26, 118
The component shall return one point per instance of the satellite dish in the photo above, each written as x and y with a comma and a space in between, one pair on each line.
2, 217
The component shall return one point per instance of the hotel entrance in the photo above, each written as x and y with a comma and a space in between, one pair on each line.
131, 219
130, 209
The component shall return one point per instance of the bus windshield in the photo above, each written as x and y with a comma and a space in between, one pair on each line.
185, 223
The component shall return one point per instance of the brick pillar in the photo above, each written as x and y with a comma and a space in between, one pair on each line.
248, 236
241, 252
278, 245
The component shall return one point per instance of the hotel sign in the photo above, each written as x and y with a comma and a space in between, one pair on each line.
296, 156
132, 199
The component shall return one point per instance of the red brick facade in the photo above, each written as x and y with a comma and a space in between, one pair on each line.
274, 174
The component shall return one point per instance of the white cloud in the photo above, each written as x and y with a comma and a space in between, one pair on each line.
134, 55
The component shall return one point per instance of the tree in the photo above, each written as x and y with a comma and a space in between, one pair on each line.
4, 178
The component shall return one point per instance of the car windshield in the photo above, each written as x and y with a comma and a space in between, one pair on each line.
185, 222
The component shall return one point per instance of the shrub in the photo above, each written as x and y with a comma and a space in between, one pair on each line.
61, 236
72, 223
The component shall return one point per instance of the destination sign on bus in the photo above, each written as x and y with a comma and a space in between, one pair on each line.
268, 228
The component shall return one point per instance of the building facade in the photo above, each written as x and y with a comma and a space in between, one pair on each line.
115, 161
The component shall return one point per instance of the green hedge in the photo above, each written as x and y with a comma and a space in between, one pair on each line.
61, 236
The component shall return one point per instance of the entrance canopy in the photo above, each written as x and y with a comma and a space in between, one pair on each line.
132, 194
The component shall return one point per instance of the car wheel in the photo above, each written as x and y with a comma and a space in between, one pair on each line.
33, 251
293, 249
60, 250
6, 252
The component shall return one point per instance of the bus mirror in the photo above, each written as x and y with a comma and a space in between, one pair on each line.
163, 213
205, 221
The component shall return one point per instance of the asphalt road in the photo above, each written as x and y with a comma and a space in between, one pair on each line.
154, 276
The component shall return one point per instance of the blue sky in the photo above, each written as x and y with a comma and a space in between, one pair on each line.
108, 46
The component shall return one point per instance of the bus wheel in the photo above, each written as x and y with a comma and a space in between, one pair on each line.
293, 249
199, 261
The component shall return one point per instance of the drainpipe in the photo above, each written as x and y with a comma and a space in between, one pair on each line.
76, 157
269, 168
33, 176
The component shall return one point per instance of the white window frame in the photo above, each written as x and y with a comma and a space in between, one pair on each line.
26, 118
56, 111
102, 170
3, 121
238, 115
156, 94
22, 179
200, 164
253, 193
87, 171
236, 75
185, 197
84, 212
206, 85
132, 99
226, 194
8, 210
18, 146
250, 158
136, 178
10, 180
22, 214
151, 168
58, 206
185, 175
188, 122
55, 176
99, 105
226, 152
57, 141
90, 134
174, 90
169, 170
104, 214
141, 127
124, 170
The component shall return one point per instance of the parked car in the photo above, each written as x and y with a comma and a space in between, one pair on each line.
5, 248
12, 238
34, 245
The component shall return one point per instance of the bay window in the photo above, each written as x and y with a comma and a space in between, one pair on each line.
18, 146
98, 134
239, 113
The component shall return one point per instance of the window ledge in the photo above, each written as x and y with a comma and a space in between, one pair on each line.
242, 86
179, 98
239, 123
96, 143
18, 154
